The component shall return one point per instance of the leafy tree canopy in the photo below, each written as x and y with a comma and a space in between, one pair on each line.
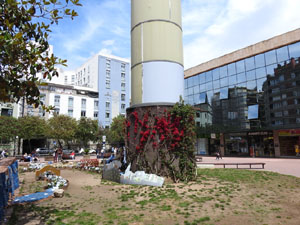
24, 47
32, 127
8, 128
116, 133
62, 127
87, 130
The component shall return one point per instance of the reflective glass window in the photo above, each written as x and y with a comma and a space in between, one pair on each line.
242, 84
190, 91
251, 85
270, 69
241, 77
250, 75
196, 89
202, 98
282, 54
250, 65
185, 83
231, 69
232, 80
209, 86
216, 84
185, 93
223, 71
270, 57
224, 93
224, 82
202, 78
294, 50
216, 73
260, 83
252, 112
260, 72
209, 96
259, 60
196, 99
208, 76
189, 80
191, 100
202, 87
240, 66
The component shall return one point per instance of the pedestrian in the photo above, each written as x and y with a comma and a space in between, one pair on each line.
55, 155
297, 150
217, 155
3, 154
73, 155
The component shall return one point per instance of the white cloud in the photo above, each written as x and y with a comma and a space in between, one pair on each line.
235, 25
105, 51
108, 42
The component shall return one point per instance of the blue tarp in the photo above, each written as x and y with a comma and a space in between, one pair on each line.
34, 197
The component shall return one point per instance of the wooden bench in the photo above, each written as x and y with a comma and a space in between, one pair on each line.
238, 164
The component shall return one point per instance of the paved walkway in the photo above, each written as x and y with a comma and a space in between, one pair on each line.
279, 165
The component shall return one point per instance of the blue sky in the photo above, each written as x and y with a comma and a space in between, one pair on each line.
211, 28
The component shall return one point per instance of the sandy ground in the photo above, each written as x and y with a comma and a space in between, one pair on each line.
271, 201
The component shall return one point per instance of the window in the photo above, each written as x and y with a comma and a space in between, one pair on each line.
123, 76
260, 60
216, 74
123, 106
96, 103
107, 73
252, 112
278, 114
107, 84
208, 76
232, 115
73, 78
224, 93
56, 111
123, 66
216, 84
261, 72
123, 86
202, 78
223, 71
57, 100
250, 75
107, 63
83, 103
202, 97
107, 115
224, 82
122, 97
294, 50
95, 114
232, 80
70, 103
250, 65
270, 57
66, 79
276, 98
270, 69
83, 113
107, 105
240, 66
285, 112
282, 54
70, 112
241, 77
231, 69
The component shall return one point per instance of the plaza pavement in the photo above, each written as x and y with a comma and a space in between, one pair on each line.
288, 166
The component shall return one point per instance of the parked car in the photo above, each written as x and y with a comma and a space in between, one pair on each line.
44, 151
67, 153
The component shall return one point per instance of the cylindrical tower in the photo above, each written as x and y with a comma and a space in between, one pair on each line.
156, 51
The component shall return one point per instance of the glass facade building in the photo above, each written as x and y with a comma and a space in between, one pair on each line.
255, 102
